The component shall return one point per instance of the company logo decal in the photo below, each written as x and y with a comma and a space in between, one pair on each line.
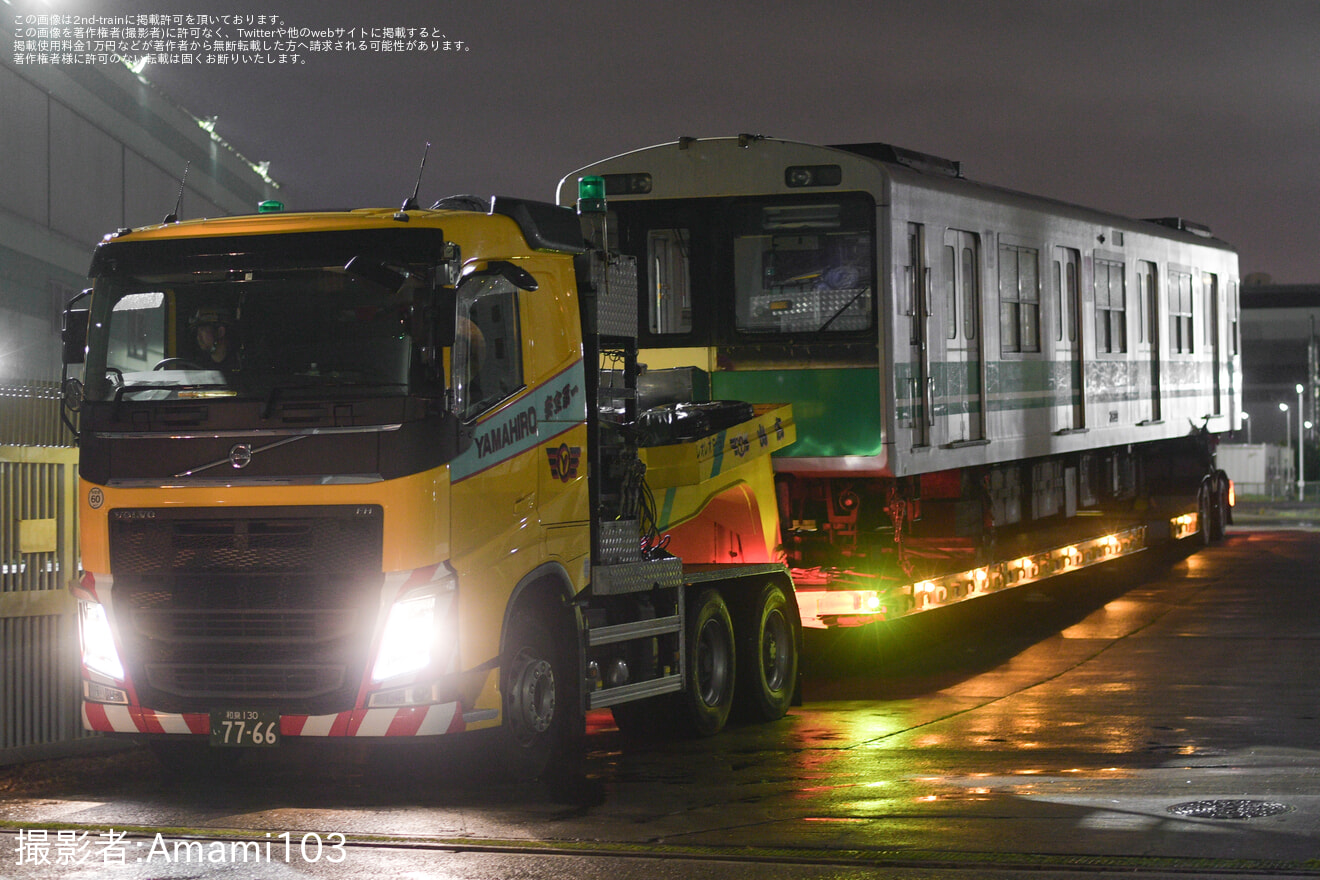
545, 413
512, 431
564, 461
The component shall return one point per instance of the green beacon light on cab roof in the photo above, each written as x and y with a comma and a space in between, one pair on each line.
270, 206
591, 195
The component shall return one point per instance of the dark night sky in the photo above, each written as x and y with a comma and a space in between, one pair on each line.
1208, 109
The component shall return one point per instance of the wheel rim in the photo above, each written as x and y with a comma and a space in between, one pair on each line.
776, 652
531, 696
714, 656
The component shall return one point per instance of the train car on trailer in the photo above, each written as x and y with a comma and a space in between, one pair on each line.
989, 387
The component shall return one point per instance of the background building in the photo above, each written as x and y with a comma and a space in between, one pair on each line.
1280, 323
89, 149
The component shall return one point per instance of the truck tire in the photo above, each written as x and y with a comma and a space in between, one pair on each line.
767, 655
1204, 514
1219, 510
537, 699
711, 666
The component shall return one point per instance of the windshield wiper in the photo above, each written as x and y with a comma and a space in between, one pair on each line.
187, 386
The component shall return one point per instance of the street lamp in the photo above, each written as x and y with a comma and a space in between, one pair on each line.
1287, 423
1246, 420
1301, 453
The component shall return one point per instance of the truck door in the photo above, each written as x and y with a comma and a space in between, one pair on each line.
494, 480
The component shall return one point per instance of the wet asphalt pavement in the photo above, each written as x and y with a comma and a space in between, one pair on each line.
1159, 717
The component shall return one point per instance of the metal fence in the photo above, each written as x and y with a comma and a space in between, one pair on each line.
39, 678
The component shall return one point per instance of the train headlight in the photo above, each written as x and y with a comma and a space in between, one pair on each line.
98, 643
813, 175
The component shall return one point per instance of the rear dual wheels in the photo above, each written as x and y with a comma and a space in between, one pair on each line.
711, 663
1212, 510
768, 656
759, 665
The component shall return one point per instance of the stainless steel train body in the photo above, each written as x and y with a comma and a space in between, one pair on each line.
924, 324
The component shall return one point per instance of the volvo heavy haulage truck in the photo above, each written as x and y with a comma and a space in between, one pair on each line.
392, 474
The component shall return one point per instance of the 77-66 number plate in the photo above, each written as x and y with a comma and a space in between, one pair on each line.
245, 727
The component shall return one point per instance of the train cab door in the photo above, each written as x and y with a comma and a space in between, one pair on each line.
1148, 342
916, 305
964, 390
1069, 408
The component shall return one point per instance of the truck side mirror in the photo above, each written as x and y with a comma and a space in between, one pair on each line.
73, 331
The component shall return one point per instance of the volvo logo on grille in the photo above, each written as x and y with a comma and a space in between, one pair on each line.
240, 456
123, 514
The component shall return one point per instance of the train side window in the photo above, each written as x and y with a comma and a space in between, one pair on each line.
1019, 299
669, 289
1110, 307
1180, 312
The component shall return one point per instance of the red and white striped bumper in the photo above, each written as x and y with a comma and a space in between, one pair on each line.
433, 720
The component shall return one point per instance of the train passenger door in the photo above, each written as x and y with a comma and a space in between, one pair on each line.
1069, 407
916, 305
1210, 286
1148, 343
964, 393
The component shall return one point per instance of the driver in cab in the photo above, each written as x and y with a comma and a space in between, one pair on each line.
216, 343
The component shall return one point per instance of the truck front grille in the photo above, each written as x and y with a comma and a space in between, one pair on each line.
245, 683
247, 607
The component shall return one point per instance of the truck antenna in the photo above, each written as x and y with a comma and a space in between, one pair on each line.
173, 216
410, 204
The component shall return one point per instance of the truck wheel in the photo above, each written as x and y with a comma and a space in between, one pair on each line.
1219, 511
537, 699
767, 657
1204, 505
711, 665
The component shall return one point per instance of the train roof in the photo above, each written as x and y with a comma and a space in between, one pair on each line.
917, 169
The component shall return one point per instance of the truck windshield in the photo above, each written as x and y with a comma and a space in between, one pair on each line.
237, 333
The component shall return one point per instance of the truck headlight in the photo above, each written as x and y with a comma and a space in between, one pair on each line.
408, 640
98, 644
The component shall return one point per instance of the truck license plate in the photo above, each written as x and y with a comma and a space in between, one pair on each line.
245, 727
